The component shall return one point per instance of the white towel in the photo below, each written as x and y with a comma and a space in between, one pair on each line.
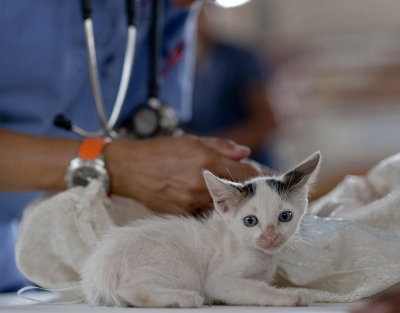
350, 238
58, 232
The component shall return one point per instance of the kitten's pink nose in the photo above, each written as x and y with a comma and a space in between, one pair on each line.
271, 237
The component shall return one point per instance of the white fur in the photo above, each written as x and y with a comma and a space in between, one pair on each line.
171, 261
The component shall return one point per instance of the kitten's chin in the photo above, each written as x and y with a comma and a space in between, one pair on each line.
272, 250
268, 247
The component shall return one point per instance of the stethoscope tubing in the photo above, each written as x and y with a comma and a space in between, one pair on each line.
107, 125
165, 119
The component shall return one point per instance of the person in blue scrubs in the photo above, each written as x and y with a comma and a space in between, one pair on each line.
44, 72
229, 96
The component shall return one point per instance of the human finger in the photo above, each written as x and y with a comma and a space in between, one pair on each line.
226, 147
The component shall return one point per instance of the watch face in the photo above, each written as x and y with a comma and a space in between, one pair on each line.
82, 175
81, 172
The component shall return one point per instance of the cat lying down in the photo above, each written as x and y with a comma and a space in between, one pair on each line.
229, 256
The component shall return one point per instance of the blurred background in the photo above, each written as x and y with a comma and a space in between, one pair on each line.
331, 78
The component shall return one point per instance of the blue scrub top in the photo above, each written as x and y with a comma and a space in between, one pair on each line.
220, 88
221, 84
44, 72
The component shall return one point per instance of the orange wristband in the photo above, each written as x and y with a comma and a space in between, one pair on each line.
92, 147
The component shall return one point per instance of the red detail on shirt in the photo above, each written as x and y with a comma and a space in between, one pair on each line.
173, 59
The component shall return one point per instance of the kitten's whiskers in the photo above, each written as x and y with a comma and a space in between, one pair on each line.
231, 175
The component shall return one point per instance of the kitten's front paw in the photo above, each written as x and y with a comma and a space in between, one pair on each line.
187, 299
304, 297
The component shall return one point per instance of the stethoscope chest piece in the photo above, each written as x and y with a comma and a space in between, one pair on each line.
153, 119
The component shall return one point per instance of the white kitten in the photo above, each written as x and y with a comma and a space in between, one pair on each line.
230, 256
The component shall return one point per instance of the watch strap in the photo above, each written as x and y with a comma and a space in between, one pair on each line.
91, 148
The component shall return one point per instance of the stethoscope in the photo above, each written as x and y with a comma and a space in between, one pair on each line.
148, 120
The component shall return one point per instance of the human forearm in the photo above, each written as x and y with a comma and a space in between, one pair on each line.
165, 174
33, 162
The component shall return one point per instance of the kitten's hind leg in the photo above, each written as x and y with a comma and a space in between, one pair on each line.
145, 293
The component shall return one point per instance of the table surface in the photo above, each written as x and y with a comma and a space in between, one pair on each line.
12, 303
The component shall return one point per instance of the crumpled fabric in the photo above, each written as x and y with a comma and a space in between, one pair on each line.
348, 246
351, 238
58, 232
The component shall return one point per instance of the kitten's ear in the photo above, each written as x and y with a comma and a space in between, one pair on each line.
303, 174
225, 194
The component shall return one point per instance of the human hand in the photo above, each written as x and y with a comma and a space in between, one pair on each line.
165, 173
386, 303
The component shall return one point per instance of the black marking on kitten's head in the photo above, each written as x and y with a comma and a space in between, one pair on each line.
228, 196
277, 185
247, 190
290, 182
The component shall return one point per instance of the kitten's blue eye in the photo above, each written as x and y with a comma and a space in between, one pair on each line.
285, 216
250, 221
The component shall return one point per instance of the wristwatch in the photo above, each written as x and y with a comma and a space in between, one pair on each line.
89, 164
